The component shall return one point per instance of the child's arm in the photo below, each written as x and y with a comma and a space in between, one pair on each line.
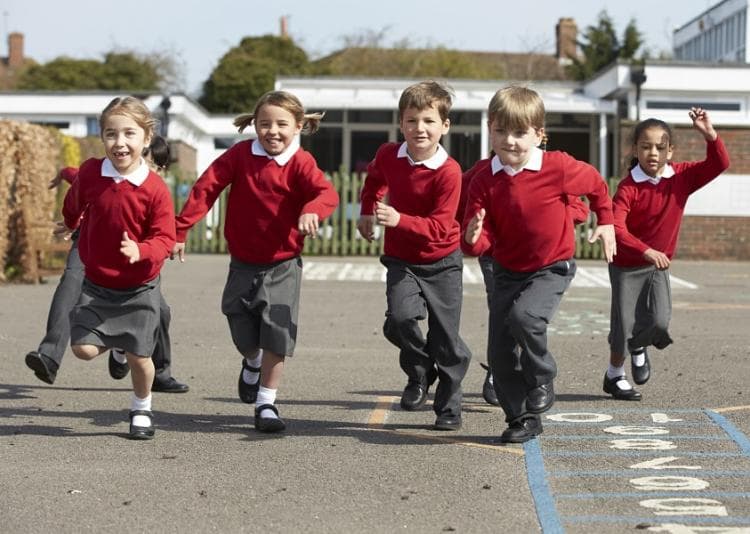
202, 196
322, 198
72, 209
476, 236
577, 209
160, 239
373, 191
699, 173
582, 179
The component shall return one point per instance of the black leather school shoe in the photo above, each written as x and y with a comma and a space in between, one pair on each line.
610, 386
140, 432
641, 373
248, 393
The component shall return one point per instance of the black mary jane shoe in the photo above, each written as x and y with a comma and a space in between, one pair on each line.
248, 393
610, 386
140, 432
268, 424
641, 373
117, 370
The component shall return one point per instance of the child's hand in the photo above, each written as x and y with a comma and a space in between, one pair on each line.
56, 181
386, 215
62, 231
366, 226
606, 232
474, 228
659, 259
129, 248
178, 250
702, 123
308, 224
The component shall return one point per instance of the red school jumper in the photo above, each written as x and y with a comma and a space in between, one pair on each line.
527, 214
265, 202
649, 216
108, 208
426, 199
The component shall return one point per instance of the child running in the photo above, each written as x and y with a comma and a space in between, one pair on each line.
126, 220
422, 257
648, 207
518, 207
278, 196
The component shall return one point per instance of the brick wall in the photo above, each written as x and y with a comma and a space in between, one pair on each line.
706, 238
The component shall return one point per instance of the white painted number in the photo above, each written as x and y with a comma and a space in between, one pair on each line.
581, 417
661, 463
669, 483
636, 430
685, 506
642, 444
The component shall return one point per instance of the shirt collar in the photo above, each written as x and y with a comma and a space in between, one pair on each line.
281, 159
137, 177
534, 163
433, 162
640, 176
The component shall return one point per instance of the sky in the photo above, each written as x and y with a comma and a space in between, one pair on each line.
198, 32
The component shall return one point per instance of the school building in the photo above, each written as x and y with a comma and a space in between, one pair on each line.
591, 120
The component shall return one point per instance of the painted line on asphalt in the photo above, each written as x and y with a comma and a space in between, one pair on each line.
732, 431
731, 409
546, 511
384, 404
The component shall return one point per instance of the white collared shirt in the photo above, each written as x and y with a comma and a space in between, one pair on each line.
137, 177
534, 163
640, 176
281, 159
433, 162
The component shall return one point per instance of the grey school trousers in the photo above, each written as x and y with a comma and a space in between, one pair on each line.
522, 306
434, 292
66, 295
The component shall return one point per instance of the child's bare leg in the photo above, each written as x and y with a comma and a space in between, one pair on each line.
142, 373
616, 360
272, 369
87, 352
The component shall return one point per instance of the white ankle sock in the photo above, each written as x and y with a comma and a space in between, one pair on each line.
639, 357
266, 396
614, 372
251, 377
119, 356
141, 404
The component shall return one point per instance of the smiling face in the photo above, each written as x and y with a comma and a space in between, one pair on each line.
422, 129
653, 150
276, 128
124, 141
514, 146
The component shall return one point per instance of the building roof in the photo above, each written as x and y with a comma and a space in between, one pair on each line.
441, 62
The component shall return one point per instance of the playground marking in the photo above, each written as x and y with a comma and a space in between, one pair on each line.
373, 271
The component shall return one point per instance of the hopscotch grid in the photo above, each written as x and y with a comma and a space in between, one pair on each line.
714, 419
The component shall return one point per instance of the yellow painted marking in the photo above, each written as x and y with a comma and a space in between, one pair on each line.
732, 409
376, 421
379, 413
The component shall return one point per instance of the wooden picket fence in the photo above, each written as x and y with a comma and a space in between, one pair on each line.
338, 235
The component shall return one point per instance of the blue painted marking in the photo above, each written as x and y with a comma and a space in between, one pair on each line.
670, 472
611, 422
610, 437
689, 454
546, 511
656, 520
739, 438
676, 494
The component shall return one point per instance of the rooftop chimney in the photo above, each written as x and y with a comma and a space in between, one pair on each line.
567, 36
15, 50
284, 29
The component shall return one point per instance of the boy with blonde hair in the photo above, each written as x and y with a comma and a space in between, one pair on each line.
422, 250
518, 208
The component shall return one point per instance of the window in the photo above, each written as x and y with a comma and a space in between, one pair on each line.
326, 146
371, 116
710, 106
92, 126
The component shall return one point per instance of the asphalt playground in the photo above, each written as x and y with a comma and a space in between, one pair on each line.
351, 460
